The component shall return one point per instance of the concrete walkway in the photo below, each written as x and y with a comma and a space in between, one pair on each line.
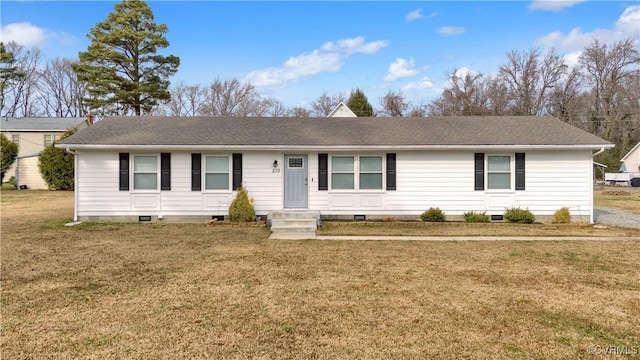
482, 238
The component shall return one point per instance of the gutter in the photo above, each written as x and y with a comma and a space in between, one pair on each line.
75, 183
332, 147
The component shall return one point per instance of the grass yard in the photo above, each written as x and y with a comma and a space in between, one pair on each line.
630, 202
196, 291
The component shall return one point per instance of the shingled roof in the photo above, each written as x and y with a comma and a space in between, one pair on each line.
41, 124
426, 132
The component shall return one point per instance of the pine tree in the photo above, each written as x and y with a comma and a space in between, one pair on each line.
8, 71
359, 104
121, 65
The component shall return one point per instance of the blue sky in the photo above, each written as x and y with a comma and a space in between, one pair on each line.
295, 51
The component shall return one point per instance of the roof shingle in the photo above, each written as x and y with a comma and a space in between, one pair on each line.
334, 132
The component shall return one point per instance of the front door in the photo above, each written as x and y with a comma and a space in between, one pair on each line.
295, 181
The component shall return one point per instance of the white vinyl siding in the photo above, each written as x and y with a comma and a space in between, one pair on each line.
444, 179
216, 172
145, 172
16, 139
498, 172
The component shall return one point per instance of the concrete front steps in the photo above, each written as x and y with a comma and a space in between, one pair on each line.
293, 224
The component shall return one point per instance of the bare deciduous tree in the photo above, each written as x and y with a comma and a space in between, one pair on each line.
324, 104
608, 70
20, 98
61, 93
394, 104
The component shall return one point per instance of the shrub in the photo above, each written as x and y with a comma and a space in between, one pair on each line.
56, 166
8, 153
519, 216
476, 217
241, 209
562, 216
12, 181
432, 215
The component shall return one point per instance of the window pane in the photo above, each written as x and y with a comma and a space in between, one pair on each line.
145, 163
370, 181
499, 181
342, 181
219, 164
499, 163
145, 181
370, 163
342, 163
217, 181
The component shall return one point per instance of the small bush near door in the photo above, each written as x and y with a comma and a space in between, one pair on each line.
562, 216
519, 216
433, 215
241, 209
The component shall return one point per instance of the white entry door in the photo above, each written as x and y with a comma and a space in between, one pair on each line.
295, 181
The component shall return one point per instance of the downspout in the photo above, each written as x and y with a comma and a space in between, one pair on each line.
75, 183
593, 183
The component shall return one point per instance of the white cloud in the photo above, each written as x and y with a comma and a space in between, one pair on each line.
414, 15
401, 68
29, 35
552, 5
355, 45
629, 21
572, 58
450, 30
627, 26
24, 34
329, 58
422, 84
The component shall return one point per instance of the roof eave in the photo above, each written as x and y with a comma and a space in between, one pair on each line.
331, 147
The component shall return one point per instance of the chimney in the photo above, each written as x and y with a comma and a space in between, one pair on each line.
89, 118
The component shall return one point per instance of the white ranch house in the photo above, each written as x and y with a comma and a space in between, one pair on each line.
188, 168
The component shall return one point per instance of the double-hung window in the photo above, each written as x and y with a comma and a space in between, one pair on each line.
342, 174
16, 139
370, 172
368, 175
50, 138
499, 172
145, 172
217, 172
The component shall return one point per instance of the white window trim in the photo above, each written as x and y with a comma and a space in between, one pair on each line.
356, 174
203, 175
132, 173
512, 174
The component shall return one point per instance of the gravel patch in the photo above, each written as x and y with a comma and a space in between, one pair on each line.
616, 217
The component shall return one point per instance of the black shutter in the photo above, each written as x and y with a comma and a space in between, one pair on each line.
196, 175
391, 171
237, 171
520, 171
124, 171
165, 171
323, 171
479, 172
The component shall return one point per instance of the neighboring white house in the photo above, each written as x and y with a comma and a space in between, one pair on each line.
188, 168
631, 161
32, 135
342, 110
